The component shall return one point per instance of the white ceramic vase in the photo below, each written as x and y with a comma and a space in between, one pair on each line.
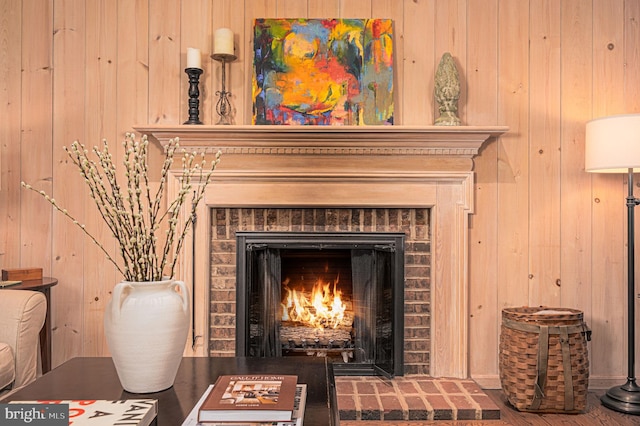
146, 326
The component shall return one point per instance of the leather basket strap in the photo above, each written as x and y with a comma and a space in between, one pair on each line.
566, 365
541, 372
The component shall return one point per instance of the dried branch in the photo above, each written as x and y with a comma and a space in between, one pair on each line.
133, 214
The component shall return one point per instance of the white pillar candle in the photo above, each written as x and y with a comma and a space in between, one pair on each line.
193, 58
223, 42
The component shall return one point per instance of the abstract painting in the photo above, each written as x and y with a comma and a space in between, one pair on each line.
323, 71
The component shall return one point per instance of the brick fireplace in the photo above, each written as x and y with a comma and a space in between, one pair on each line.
403, 176
391, 236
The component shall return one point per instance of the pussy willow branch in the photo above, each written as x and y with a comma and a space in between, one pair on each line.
133, 214
195, 200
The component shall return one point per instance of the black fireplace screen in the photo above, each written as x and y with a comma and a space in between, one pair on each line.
360, 277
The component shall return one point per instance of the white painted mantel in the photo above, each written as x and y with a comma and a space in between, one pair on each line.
348, 166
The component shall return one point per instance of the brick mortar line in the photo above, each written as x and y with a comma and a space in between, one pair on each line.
445, 395
465, 393
398, 395
423, 397
403, 402
476, 405
376, 394
380, 406
356, 401
427, 404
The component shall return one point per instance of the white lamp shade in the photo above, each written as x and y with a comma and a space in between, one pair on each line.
612, 144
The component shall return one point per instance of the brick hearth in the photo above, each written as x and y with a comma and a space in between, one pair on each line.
413, 398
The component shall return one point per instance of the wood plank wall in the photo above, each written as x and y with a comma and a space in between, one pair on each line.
543, 232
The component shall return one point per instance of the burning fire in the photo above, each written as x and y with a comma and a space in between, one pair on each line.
323, 309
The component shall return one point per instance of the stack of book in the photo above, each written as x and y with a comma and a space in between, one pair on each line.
251, 400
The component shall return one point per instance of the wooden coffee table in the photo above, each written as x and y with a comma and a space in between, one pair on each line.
96, 378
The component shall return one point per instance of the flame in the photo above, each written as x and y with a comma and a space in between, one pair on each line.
323, 309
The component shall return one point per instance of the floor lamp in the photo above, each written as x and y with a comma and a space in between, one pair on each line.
612, 145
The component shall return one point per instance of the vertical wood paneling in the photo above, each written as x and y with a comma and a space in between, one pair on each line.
536, 211
544, 155
450, 35
324, 9
101, 95
10, 68
513, 167
632, 56
133, 66
576, 93
482, 65
291, 9
196, 31
165, 75
132, 94
358, 9
132, 74
225, 15
482, 107
69, 118
608, 267
36, 123
418, 63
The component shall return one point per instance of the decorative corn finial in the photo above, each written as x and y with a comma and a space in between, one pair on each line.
447, 91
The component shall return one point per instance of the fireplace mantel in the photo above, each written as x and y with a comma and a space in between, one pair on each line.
463, 141
345, 167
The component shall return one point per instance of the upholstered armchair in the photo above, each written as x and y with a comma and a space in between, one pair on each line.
22, 315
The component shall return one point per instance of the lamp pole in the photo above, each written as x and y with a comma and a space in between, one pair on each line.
626, 398
612, 145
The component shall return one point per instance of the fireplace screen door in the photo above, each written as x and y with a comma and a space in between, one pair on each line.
352, 284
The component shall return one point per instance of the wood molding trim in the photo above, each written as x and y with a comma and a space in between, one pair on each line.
462, 141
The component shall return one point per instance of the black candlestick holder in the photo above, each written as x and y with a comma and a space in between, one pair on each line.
223, 107
194, 94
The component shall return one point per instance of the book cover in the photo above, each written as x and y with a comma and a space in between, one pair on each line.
297, 417
130, 412
247, 398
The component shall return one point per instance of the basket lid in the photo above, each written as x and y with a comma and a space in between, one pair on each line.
542, 314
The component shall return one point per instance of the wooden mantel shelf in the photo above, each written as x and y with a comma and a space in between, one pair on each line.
462, 141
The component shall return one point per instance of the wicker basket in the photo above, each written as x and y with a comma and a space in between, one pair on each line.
544, 361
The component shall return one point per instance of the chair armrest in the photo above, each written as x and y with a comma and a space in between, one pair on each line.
22, 315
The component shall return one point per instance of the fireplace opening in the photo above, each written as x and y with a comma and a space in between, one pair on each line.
338, 295
316, 303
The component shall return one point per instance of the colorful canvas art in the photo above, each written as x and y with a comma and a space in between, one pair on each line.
323, 71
